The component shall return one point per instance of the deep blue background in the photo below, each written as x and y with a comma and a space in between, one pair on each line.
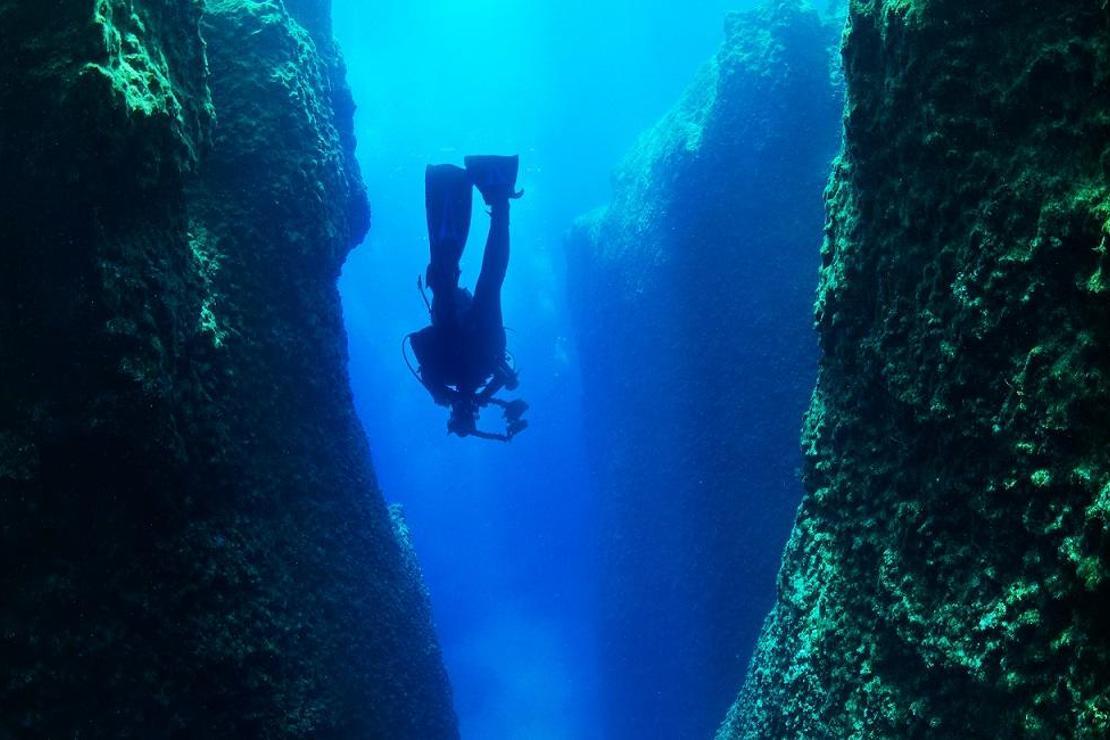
505, 533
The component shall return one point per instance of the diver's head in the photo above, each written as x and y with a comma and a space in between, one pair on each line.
464, 418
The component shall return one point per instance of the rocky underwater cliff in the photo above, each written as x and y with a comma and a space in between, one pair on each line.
192, 542
693, 290
947, 574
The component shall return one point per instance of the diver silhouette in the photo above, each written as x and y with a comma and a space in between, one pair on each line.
461, 357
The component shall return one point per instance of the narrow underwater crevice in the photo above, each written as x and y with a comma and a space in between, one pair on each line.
692, 290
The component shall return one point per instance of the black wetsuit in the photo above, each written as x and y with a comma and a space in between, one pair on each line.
465, 345
462, 357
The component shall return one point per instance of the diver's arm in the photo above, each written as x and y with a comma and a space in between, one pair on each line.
486, 396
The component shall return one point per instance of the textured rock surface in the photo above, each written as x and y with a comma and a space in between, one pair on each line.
191, 538
947, 575
710, 234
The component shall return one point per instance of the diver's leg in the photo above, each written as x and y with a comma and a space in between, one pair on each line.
495, 178
495, 263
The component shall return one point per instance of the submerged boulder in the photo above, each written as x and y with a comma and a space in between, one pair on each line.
192, 542
947, 575
693, 290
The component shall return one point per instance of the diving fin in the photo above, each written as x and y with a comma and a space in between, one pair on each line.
494, 176
448, 199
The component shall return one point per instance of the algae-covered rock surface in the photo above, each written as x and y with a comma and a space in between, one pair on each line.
695, 376
192, 542
947, 575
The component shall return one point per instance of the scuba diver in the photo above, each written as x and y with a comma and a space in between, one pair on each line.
461, 357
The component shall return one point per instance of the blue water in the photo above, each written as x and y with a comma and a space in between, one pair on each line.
505, 533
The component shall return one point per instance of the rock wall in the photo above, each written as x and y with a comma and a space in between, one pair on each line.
947, 575
192, 542
693, 290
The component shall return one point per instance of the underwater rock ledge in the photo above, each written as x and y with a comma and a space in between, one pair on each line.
699, 358
192, 542
947, 575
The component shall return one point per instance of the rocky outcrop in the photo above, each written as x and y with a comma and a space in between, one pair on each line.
947, 575
192, 541
698, 360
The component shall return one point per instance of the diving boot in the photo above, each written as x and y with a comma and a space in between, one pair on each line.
495, 177
448, 200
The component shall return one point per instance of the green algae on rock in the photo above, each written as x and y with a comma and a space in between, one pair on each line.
947, 574
673, 285
192, 541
